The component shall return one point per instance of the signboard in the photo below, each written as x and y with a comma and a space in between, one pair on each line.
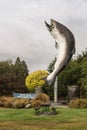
28, 95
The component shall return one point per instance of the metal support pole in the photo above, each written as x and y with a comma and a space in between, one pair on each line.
55, 90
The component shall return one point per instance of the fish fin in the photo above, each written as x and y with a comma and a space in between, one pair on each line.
56, 44
73, 51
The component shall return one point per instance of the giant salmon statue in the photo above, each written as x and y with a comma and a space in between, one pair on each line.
65, 43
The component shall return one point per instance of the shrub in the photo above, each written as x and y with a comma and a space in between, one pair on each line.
34, 79
36, 103
1, 102
43, 97
20, 103
40, 99
78, 103
6, 101
12, 102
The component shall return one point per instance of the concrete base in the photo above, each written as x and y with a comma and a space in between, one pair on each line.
59, 104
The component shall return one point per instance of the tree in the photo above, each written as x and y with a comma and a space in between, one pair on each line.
69, 76
83, 79
21, 71
6, 76
51, 65
12, 77
34, 79
21, 68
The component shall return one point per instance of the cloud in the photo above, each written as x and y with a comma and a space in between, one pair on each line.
23, 32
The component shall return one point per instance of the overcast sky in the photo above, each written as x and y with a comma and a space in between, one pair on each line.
23, 33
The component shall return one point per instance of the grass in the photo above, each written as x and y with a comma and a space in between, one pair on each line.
25, 119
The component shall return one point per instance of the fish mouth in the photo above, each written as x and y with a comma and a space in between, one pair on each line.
50, 26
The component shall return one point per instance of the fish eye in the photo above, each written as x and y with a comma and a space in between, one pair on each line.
52, 26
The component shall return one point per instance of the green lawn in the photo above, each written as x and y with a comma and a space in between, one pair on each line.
25, 119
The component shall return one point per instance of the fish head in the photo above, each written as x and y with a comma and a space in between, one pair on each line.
52, 28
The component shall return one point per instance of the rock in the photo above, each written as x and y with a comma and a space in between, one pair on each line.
28, 106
